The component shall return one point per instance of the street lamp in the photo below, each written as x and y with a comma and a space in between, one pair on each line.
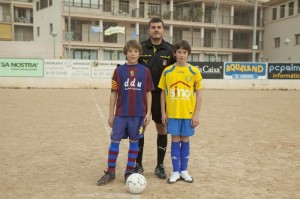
254, 46
54, 34
286, 42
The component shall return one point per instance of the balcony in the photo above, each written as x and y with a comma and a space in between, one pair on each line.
23, 15
5, 18
24, 1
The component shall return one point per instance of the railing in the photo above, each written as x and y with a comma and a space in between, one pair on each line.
24, 1
25, 20
187, 13
191, 14
5, 18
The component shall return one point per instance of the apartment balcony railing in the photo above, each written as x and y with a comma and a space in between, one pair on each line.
25, 20
82, 28
5, 18
191, 13
24, 1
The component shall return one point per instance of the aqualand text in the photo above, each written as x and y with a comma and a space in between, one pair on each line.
256, 68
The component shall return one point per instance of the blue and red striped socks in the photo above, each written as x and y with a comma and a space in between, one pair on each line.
113, 153
132, 154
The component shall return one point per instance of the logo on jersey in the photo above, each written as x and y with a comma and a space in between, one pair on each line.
188, 78
177, 90
131, 73
132, 84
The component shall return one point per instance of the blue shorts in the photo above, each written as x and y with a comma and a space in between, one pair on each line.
180, 127
124, 127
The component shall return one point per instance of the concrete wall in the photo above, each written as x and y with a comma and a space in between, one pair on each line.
82, 82
60, 73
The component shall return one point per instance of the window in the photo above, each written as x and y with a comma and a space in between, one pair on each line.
83, 3
212, 58
177, 36
142, 8
298, 6
193, 57
38, 31
208, 38
144, 35
51, 27
124, 6
277, 42
274, 13
107, 6
77, 3
37, 5
291, 8
86, 3
297, 39
43, 4
113, 55
85, 54
94, 4
154, 9
282, 11
50, 2
208, 14
121, 55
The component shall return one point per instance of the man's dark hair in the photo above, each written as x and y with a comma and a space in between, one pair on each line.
184, 45
156, 20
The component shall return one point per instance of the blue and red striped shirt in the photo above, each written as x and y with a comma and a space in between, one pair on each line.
132, 82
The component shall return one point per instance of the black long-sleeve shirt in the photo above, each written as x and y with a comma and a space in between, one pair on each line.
156, 58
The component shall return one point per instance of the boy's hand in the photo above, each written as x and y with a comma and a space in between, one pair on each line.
110, 121
147, 119
195, 121
164, 119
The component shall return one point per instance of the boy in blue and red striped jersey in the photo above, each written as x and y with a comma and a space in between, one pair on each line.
129, 108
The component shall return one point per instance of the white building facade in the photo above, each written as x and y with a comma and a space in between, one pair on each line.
217, 30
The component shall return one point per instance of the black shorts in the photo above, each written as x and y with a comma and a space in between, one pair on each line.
155, 109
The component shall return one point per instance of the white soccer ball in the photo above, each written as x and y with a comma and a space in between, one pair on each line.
136, 183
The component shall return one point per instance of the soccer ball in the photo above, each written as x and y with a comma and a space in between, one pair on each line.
136, 183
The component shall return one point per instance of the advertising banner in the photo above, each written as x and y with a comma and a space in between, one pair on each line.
245, 70
21, 67
210, 70
284, 71
67, 68
104, 68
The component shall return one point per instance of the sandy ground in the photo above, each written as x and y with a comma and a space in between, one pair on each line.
53, 144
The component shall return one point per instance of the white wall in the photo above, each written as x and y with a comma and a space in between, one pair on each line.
39, 82
283, 28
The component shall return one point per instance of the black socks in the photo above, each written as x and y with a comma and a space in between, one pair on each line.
139, 158
162, 142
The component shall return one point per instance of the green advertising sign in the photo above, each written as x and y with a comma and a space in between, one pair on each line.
21, 67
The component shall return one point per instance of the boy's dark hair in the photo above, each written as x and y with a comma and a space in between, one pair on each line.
184, 45
133, 44
156, 20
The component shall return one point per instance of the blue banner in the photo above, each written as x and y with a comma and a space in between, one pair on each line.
245, 70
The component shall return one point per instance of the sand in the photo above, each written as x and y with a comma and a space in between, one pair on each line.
53, 144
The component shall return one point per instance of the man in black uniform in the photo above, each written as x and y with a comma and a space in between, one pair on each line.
157, 54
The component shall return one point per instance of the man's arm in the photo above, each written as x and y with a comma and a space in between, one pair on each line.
163, 107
